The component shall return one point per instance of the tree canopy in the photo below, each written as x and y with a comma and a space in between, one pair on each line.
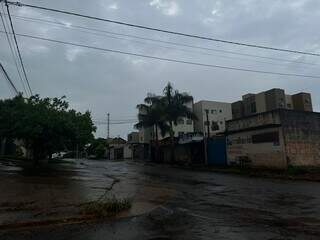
164, 111
44, 125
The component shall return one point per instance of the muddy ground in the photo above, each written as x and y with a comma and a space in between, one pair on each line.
168, 203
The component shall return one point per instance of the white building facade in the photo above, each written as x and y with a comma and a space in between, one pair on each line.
218, 113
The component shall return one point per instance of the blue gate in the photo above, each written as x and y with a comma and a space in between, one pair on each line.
217, 151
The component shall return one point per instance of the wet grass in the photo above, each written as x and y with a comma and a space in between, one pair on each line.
291, 173
16, 206
107, 207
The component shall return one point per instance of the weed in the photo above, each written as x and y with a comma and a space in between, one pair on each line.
107, 207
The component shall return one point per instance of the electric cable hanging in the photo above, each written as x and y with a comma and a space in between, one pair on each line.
168, 59
18, 49
163, 30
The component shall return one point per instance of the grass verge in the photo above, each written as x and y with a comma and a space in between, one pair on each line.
106, 207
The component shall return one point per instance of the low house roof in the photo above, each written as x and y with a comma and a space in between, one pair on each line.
117, 140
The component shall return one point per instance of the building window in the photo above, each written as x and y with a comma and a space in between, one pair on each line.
266, 138
206, 123
289, 105
181, 121
221, 123
189, 122
206, 111
213, 111
253, 107
220, 111
214, 126
180, 134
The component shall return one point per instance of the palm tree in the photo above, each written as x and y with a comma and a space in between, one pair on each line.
151, 115
175, 109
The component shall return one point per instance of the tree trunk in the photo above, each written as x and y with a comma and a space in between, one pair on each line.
157, 145
3, 146
35, 155
172, 143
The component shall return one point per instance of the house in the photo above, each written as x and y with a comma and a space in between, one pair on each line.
270, 100
213, 114
275, 139
132, 145
116, 148
133, 137
189, 149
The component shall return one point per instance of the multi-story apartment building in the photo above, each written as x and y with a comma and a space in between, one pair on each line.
302, 102
270, 100
184, 126
217, 112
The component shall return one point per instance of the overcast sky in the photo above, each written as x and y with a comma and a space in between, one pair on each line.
108, 82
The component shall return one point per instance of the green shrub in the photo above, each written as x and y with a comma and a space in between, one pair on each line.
107, 207
294, 170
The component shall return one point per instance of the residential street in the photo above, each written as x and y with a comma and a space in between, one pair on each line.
168, 203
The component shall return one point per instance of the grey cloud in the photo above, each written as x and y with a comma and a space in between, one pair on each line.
108, 82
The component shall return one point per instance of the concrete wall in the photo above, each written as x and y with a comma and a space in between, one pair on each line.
237, 110
219, 113
298, 144
127, 151
261, 102
275, 98
145, 135
302, 137
302, 102
263, 154
198, 111
258, 120
289, 103
249, 104
133, 137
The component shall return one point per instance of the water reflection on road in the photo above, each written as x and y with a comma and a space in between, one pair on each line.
168, 202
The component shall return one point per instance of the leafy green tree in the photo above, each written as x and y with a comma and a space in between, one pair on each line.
164, 112
44, 125
97, 148
176, 108
152, 115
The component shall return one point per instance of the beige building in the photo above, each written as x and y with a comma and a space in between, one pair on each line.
275, 139
218, 114
133, 137
270, 100
302, 102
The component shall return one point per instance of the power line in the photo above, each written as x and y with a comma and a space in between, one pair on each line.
10, 86
163, 30
9, 80
17, 46
12, 51
103, 33
118, 123
168, 59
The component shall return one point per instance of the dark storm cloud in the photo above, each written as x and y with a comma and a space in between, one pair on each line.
108, 82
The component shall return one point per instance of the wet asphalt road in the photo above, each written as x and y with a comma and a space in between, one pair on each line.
168, 203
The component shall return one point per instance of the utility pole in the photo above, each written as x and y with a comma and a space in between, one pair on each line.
205, 137
8, 79
208, 123
108, 126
